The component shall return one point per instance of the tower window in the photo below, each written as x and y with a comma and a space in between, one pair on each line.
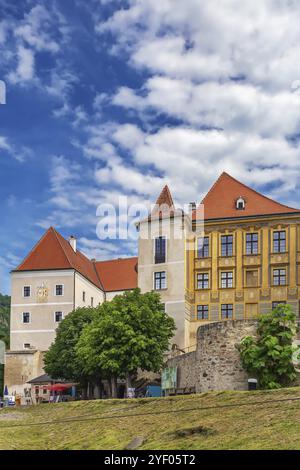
160, 250
160, 280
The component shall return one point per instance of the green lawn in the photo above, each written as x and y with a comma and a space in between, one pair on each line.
211, 422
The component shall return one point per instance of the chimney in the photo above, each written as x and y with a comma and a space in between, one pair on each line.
72, 241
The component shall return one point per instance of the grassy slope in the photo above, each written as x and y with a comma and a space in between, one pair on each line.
268, 426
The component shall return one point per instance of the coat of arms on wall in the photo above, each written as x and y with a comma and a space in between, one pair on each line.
42, 293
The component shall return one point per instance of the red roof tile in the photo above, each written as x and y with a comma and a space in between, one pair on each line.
165, 197
118, 274
54, 252
220, 201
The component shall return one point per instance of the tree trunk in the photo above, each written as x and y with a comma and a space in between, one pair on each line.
114, 388
128, 383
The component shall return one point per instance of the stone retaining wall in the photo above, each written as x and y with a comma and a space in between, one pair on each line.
216, 364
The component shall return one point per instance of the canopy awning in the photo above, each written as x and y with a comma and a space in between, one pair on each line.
60, 387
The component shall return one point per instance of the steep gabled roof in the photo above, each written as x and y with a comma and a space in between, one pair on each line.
165, 197
54, 252
118, 274
220, 201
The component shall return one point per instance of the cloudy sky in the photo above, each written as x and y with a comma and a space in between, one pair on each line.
109, 98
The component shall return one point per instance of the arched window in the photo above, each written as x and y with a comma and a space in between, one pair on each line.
240, 204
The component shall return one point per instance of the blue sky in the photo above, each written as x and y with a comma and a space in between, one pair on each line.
108, 98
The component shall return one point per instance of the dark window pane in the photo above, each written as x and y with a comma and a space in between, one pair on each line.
160, 250
202, 312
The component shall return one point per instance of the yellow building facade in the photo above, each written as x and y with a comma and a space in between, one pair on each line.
246, 262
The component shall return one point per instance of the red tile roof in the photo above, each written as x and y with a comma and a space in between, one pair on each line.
118, 274
54, 252
220, 201
165, 197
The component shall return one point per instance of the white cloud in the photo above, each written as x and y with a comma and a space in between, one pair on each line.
25, 68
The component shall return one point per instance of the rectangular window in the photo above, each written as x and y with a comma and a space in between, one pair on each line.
160, 250
58, 317
202, 281
59, 289
251, 243
92, 301
83, 296
27, 291
26, 317
26, 345
203, 247
252, 278
279, 277
226, 311
227, 245
202, 312
160, 280
279, 241
275, 304
227, 280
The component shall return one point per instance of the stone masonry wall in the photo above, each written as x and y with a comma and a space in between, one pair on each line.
216, 364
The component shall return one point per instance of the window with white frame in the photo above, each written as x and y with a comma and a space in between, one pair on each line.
26, 291
59, 289
279, 277
160, 280
202, 281
227, 245
26, 346
26, 317
202, 312
58, 317
226, 280
279, 241
83, 296
226, 311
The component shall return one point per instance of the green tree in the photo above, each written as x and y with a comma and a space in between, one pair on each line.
61, 360
4, 318
130, 332
4, 330
269, 356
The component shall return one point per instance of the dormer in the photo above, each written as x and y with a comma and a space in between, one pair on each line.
240, 204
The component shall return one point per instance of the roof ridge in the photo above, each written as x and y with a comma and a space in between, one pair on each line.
116, 259
166, 190
224, 173
66, 255
35, 246
213, 185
